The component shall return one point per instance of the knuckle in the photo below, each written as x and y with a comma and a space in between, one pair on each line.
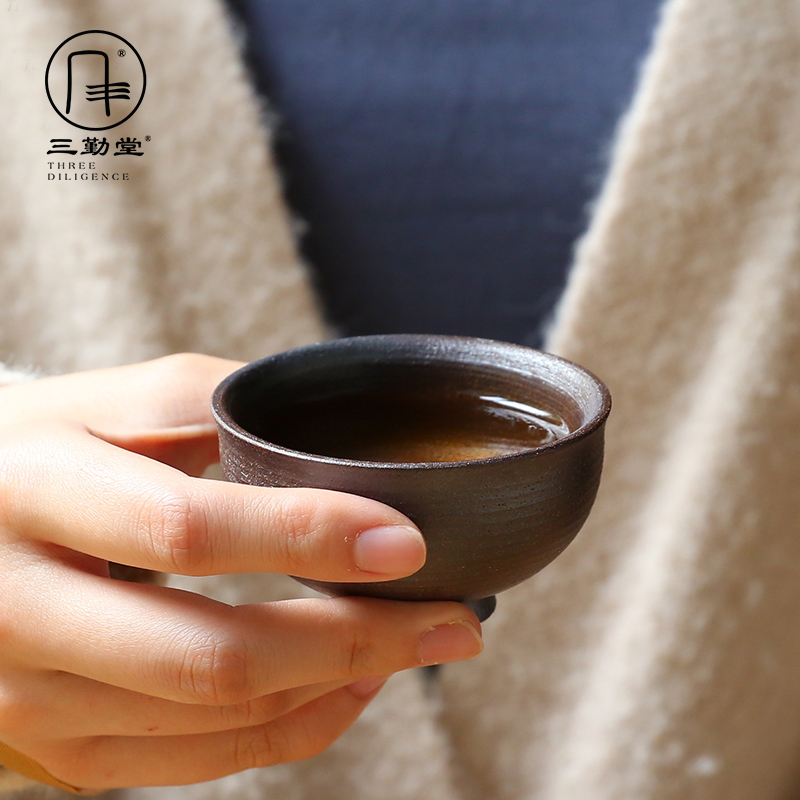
299, 522
179, 532
363, 654
240, 715
215, 670
259, 746
367, 641
254, 712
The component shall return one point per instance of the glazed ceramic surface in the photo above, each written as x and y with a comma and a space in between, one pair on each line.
489, 523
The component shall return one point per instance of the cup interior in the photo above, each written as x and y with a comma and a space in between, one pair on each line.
411, 400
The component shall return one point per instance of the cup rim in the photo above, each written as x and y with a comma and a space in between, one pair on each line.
225, 420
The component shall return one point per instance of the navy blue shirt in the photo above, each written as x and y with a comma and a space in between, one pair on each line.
443, 152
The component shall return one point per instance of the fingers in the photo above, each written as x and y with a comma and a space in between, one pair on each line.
169, 392
60, 706
104, 763
189, 649
74, 490
159, 409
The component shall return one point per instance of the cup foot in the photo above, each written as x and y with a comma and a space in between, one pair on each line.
483, 608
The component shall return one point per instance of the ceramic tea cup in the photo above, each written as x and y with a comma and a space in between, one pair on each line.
494, 450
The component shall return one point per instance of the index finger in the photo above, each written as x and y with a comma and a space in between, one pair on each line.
75, 490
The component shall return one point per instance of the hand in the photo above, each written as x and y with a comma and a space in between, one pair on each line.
110, 684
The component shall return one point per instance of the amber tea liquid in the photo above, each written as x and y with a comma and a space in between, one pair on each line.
409, 425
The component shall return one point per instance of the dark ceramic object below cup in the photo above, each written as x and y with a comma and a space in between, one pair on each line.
489, 522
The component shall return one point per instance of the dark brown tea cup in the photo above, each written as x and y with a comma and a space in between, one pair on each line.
494, 450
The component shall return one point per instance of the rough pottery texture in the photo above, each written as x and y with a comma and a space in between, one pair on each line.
489, 523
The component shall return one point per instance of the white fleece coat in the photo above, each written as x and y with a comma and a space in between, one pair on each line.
659, 657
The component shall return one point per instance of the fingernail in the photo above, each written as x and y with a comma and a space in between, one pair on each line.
367, 686
390, 550
450, 642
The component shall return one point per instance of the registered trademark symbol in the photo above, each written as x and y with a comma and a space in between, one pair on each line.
121, 53
147, 138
